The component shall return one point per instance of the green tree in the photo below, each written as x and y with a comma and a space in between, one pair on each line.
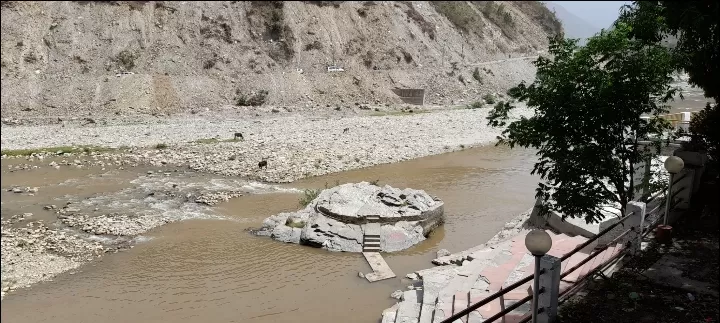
587, 103
695, 25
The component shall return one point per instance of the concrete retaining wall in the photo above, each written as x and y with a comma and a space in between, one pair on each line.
411, 96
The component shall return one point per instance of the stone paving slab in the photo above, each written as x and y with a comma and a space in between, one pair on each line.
380, 268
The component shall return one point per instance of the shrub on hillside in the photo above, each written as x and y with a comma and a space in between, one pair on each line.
252, 100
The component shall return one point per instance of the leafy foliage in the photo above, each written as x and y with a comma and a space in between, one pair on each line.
705, 127
585, 130
695, 25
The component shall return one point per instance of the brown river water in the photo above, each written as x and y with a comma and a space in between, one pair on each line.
212, 270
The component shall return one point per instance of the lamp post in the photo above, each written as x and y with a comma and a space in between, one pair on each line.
538, 242
673, 165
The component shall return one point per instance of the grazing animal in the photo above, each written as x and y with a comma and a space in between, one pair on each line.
346, 130
239, 135
262, 163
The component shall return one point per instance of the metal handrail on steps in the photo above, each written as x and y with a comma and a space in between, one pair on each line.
595, 253
489, 299
597, 236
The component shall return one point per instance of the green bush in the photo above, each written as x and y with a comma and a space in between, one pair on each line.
489, 98
476, 105
252, 100
476, 75
126, 59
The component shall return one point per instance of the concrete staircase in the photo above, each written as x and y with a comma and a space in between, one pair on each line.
371, 235
449, 289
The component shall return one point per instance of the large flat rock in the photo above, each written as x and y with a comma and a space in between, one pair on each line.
339, 217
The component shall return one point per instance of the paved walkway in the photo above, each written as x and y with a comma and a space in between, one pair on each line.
451, 288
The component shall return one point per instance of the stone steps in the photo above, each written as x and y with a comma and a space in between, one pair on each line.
452, 288
371, 243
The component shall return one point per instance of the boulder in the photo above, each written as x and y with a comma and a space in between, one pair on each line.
338, 218
442, 253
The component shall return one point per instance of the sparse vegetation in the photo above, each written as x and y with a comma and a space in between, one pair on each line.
126, 59
213, 140
489, 98
541, 15
476, 75
314, 45
461, 15
208, 64
268, 19
293, 224
425, 26
408, 58
309, 194
30, 58
216, 28
368, 59
253, 99
498, 15
335, 4
161, 146
461, 78
476, 105
61, 150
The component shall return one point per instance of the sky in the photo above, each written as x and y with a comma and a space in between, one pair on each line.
600, 14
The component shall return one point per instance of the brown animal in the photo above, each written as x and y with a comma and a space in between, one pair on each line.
238, 135
346, 130
262, 163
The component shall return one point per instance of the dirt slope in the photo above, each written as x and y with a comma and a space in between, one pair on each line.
63, 58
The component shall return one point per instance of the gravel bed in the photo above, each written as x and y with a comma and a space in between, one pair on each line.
295, 146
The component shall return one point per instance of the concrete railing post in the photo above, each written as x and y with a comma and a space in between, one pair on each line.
636, 211
550, 289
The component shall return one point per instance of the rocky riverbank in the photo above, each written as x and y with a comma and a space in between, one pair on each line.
76, 229
295, 146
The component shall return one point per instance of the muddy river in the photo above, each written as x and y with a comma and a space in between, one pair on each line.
209, 269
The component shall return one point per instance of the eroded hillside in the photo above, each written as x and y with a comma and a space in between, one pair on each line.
68, 58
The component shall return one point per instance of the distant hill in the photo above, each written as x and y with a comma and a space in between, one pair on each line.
574, 26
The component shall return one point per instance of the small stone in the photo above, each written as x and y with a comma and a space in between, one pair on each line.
412, 276
16, 190
398, 294
442, 253
361, 275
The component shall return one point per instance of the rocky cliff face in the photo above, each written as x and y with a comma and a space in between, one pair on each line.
68, 58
